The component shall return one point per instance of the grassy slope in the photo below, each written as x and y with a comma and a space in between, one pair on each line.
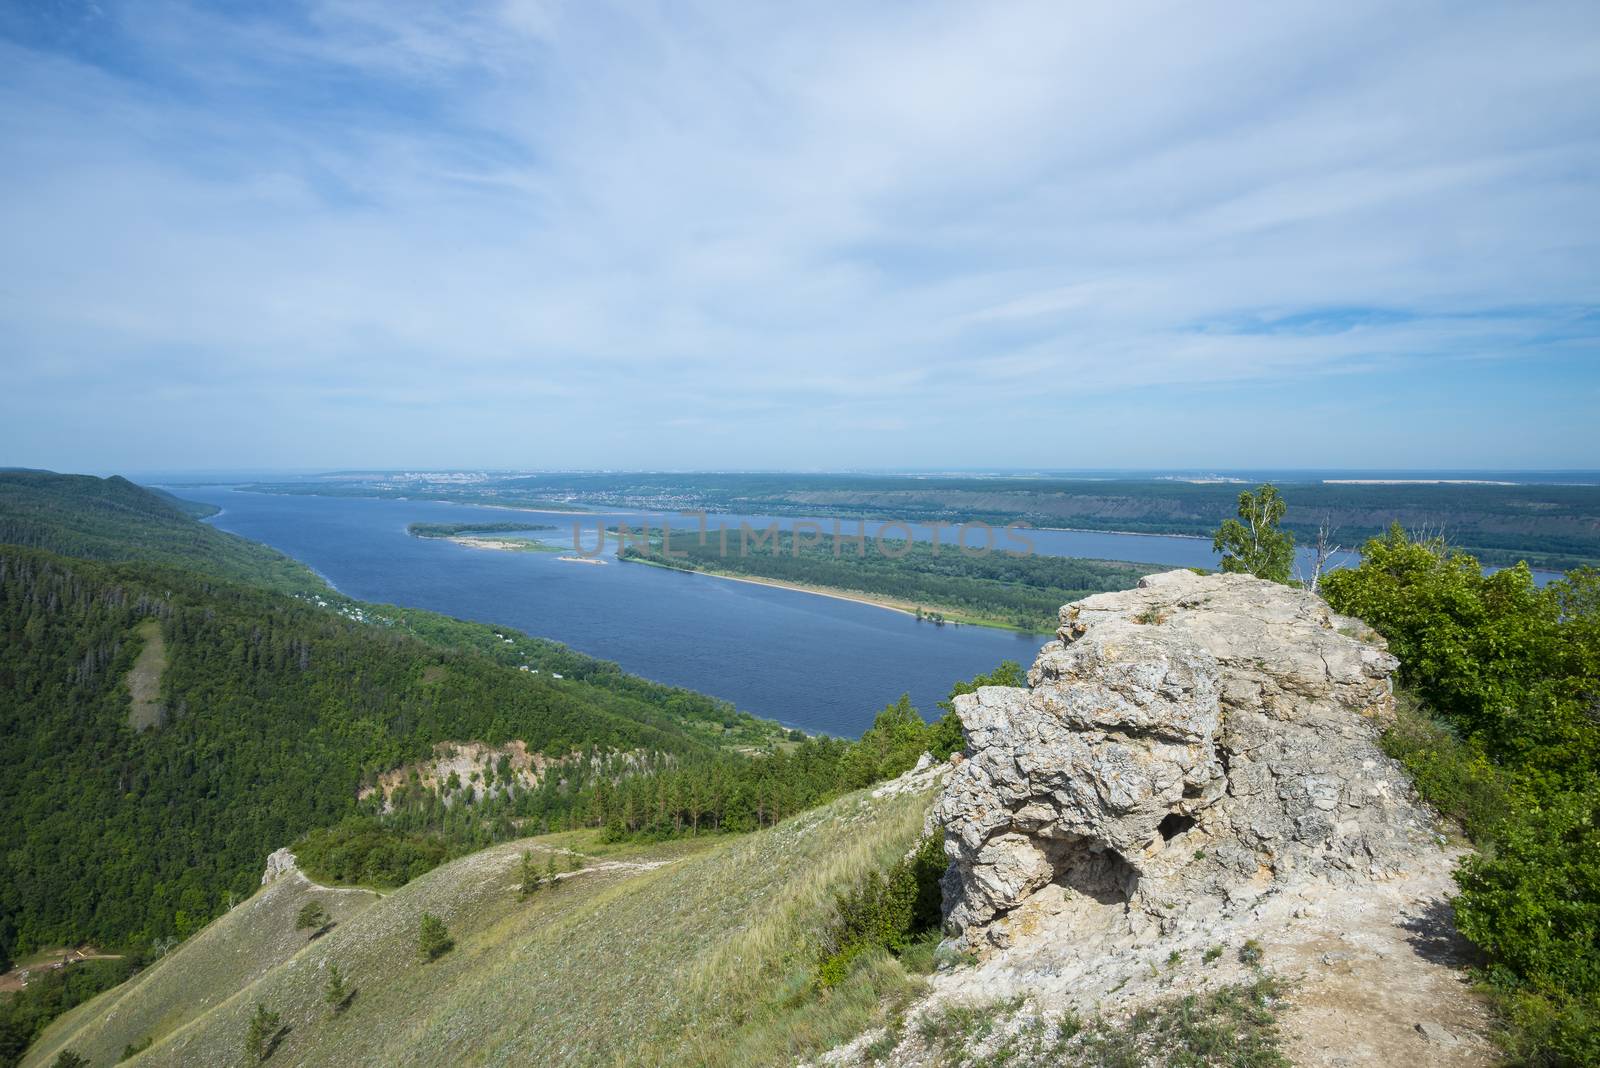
701, 960
233, 952
112, 519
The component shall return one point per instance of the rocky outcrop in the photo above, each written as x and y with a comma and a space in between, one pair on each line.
279, 862
1182, 746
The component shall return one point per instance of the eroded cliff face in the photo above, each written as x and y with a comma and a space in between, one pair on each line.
1183, 748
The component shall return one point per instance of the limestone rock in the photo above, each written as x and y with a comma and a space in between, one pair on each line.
1182, 745
280, 862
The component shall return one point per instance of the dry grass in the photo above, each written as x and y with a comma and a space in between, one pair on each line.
144, 680
232, 953
704, 959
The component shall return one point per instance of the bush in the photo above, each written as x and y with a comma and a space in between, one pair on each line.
1455, 776
1511, 675
1533, 903
366, 852
433, 937
886, 911
312, 915
898, 736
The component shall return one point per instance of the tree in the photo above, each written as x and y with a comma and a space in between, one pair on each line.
945, 736
433, 937
898, 736
258, 1039
530, 875
1254, 544
550, 870
1322, 550
68, 1059
312, 915
334, 992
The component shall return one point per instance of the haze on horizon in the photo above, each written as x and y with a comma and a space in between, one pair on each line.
349, 234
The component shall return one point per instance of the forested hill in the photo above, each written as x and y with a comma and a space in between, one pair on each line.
113, 519
168, 715
273, 712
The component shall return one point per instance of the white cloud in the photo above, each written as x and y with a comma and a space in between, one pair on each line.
819, 222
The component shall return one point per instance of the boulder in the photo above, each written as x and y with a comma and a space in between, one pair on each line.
1181, 745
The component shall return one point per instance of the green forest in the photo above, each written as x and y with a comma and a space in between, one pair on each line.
113, 519
450, 530
278, 707
995, 588
276, 713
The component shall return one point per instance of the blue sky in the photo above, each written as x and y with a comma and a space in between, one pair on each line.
530, 234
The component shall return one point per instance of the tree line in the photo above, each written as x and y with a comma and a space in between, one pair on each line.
1021, 591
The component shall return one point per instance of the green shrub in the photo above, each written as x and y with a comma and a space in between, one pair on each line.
312, 915
133, 1049
1455, 776
1511, 676
898, 736
433, 937
1550, 1030
885, 911
363, 851
261, 1035
1533, 903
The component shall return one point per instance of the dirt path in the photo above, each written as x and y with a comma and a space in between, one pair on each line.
19, 976
1387, 987
1376, 973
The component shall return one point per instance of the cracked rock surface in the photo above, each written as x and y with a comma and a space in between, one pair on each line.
1185, 746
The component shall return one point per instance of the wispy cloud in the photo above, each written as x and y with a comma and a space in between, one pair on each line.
566, 233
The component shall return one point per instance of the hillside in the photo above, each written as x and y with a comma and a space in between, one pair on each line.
161, 726
696, 952
274, 712
112, 519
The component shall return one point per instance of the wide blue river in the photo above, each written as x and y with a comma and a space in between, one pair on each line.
818, 663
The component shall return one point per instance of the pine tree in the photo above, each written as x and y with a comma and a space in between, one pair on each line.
334, 992
530, 875
68, 1059
312, 915
433, 937
550, 869
263, 1026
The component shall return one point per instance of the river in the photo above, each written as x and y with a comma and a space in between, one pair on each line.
818, 663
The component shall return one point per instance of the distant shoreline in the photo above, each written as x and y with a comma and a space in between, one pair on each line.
891, 604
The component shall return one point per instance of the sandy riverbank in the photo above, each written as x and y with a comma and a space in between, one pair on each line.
892, 604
